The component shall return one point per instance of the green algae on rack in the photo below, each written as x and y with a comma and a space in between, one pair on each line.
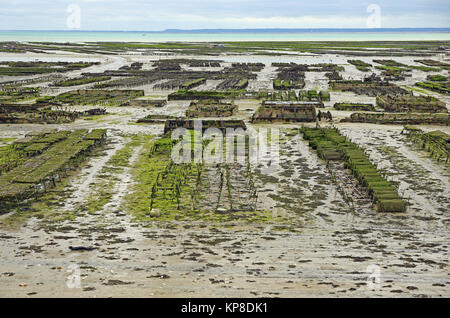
36, 173
332, 146
437, 143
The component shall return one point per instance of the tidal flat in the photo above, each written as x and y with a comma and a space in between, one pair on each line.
93, 205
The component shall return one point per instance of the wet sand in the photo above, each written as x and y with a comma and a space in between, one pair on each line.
321, 248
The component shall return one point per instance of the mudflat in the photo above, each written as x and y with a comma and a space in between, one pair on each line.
93, 204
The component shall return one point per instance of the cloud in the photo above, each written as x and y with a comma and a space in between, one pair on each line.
192, 14
274, 21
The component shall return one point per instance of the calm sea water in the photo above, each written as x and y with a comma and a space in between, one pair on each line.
132, 36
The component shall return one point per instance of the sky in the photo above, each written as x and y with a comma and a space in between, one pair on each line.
151, 15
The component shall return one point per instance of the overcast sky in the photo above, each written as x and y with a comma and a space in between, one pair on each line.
199, 14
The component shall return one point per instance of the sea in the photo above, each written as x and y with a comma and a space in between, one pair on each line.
78, 36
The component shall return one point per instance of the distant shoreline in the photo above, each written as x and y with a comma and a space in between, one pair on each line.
260, 30
229, 35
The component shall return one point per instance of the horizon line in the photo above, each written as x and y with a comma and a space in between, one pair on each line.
445, 29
